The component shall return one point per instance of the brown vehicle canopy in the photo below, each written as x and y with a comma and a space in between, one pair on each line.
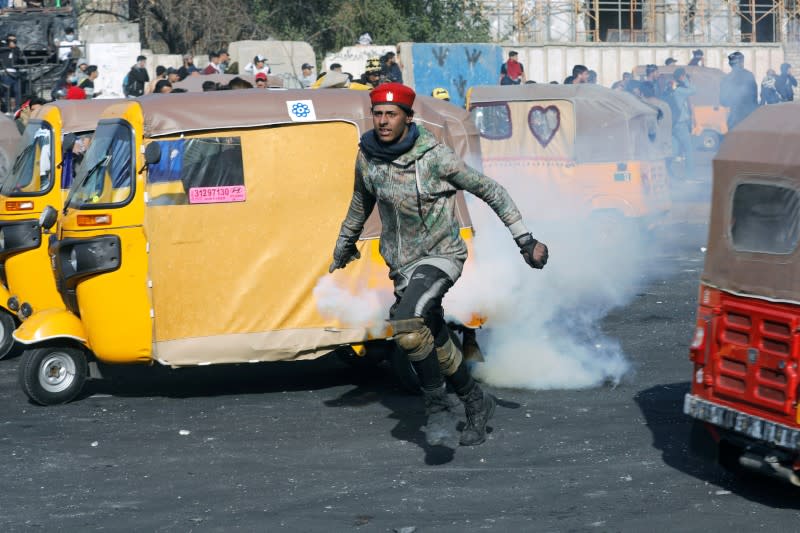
78, 115
169, 114
755, 211
608, 125
705, 79
194, 84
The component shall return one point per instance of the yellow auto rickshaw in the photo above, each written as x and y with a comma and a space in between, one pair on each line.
580, 150
709, 117
197, 228
41, 175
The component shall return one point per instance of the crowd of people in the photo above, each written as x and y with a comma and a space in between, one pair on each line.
738, 91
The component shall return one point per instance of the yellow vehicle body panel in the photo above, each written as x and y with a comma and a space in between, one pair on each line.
51, 324
114, 306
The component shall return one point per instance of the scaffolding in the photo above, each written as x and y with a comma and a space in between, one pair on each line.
645, 21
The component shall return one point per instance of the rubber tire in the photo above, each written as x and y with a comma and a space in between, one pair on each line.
32, 364
7, 326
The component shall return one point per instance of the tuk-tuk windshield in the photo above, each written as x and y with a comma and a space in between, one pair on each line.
105, 175
493, 120
765, 218
32, 174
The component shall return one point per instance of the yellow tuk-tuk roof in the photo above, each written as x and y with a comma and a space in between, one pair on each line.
609, 125
762, 149
705, 79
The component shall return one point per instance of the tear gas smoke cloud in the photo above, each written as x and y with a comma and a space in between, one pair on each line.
359, 307
542, 328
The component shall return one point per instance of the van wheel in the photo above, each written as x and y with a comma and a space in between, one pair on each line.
53, 375
7, 327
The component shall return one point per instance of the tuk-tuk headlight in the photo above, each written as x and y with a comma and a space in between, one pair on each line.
73, 260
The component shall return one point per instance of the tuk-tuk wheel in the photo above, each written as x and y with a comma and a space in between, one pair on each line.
709, 141
7, 327
53, 374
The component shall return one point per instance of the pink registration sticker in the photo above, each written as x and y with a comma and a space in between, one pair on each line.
217, 195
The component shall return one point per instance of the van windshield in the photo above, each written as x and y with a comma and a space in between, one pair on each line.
32, 174
105, 175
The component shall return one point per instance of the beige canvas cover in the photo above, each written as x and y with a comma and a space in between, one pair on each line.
761, 149
608, 125
233, 282
194, 84
707, 81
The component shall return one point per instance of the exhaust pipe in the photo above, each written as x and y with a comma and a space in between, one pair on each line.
769, 466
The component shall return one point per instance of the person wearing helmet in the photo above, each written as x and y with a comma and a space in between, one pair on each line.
413, 179
738, 90
372, 73
441, 93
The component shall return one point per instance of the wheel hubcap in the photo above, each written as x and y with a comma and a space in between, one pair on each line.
57, 372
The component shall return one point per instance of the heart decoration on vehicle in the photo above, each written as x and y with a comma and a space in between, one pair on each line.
544, 123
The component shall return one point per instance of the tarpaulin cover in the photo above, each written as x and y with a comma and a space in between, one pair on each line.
608, 125
757, 190
194, 84
78, 115
233, 280
705, 79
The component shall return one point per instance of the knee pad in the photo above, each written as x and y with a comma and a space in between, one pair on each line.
449, 357
413, 337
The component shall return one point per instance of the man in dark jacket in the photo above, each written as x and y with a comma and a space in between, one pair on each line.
785, 83
391, 69
137, 78
413, 179
738, 90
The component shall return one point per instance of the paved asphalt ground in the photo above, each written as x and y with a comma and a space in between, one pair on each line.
318, 446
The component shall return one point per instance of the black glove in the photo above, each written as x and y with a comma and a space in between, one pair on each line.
344, 252
536, 258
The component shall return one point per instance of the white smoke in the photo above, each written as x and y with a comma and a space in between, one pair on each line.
352, 306
542, 326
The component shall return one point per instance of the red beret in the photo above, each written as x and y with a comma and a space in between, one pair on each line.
393, 93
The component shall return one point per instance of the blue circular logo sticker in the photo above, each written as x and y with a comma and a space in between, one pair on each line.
300, 110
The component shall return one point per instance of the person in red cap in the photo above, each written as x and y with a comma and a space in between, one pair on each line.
413, 179
261, 80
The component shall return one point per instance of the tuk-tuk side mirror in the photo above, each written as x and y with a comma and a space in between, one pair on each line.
48, 217
152, 153
68, 142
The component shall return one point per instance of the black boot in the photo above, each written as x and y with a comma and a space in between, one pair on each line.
440, 429
479, 407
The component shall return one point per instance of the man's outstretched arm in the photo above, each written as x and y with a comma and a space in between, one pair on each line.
361, 205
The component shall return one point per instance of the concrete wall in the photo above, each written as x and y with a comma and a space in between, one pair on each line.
545, 63
283, 57
354, 58
113, 48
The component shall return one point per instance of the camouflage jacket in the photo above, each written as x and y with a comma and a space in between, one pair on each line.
416, 197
